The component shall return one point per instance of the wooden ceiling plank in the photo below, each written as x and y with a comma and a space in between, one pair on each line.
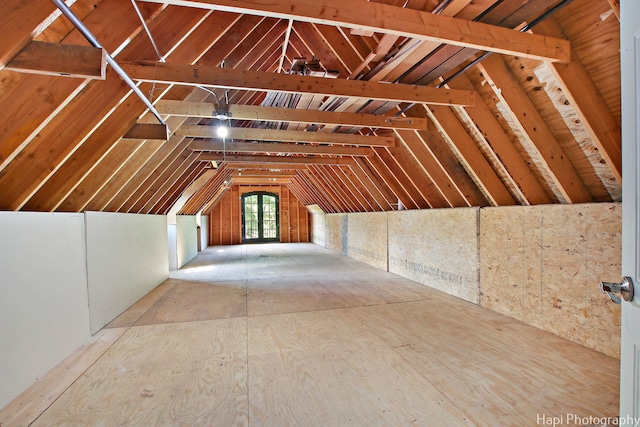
382, 18
298, 193
105, 138
373, 187
307, 186
198, 172
506, 152
255, 112
18, 22
56, 59
402, 177
321, 48
322, 193
203, 197
366, 198
425, 159
107, 181
180, 183
172, 195
391, 181
195, 75
342, 188
468, 151
364, 169
165, 181
508, 90
281, 148
286, 136
154, 181
102, 174
287, 160
58, 141
336, 192
30, 105
590, 106
421, 180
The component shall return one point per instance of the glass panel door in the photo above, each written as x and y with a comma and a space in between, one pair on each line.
260, 217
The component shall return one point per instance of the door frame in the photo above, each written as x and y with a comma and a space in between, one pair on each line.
261, 238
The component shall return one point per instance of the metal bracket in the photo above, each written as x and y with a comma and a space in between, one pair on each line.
624, 288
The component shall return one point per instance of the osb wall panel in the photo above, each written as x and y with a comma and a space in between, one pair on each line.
543, 264
438, 248
336, 229
367, 238
226, 217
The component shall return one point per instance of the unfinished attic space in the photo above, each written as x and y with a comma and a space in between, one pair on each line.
318, 212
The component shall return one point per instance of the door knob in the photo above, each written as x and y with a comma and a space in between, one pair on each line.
624, 288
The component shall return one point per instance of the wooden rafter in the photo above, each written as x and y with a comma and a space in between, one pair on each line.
287, 136
404, 22
292, 115
280, 148
589, 104
508, 90
310, 160
194, 75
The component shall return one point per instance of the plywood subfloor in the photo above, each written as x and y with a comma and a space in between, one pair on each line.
295, 335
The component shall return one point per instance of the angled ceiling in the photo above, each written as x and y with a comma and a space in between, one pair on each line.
355, 106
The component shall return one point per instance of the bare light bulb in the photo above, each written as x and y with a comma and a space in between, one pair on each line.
222, 131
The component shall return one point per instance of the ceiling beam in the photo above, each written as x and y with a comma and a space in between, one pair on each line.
290, 115
270, 166
252, 147
404, 22
56, 59
237, 158
196, 131
196, 75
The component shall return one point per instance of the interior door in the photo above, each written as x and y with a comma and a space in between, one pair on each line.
260, 217
630, 341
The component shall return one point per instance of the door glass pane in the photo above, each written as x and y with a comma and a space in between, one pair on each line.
251, 217
270, 225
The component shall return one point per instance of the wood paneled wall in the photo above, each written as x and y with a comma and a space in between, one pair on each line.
225, 219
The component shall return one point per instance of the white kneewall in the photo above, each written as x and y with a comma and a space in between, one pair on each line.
127, 256
44, 315
187, 239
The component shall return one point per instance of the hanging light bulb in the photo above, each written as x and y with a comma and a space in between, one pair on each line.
222, 130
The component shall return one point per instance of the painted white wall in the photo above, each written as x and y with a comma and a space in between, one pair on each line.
173, 246
187, 238
43, 295
204, 231
127, 256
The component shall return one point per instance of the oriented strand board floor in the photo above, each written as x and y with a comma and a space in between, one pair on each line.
295, 335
